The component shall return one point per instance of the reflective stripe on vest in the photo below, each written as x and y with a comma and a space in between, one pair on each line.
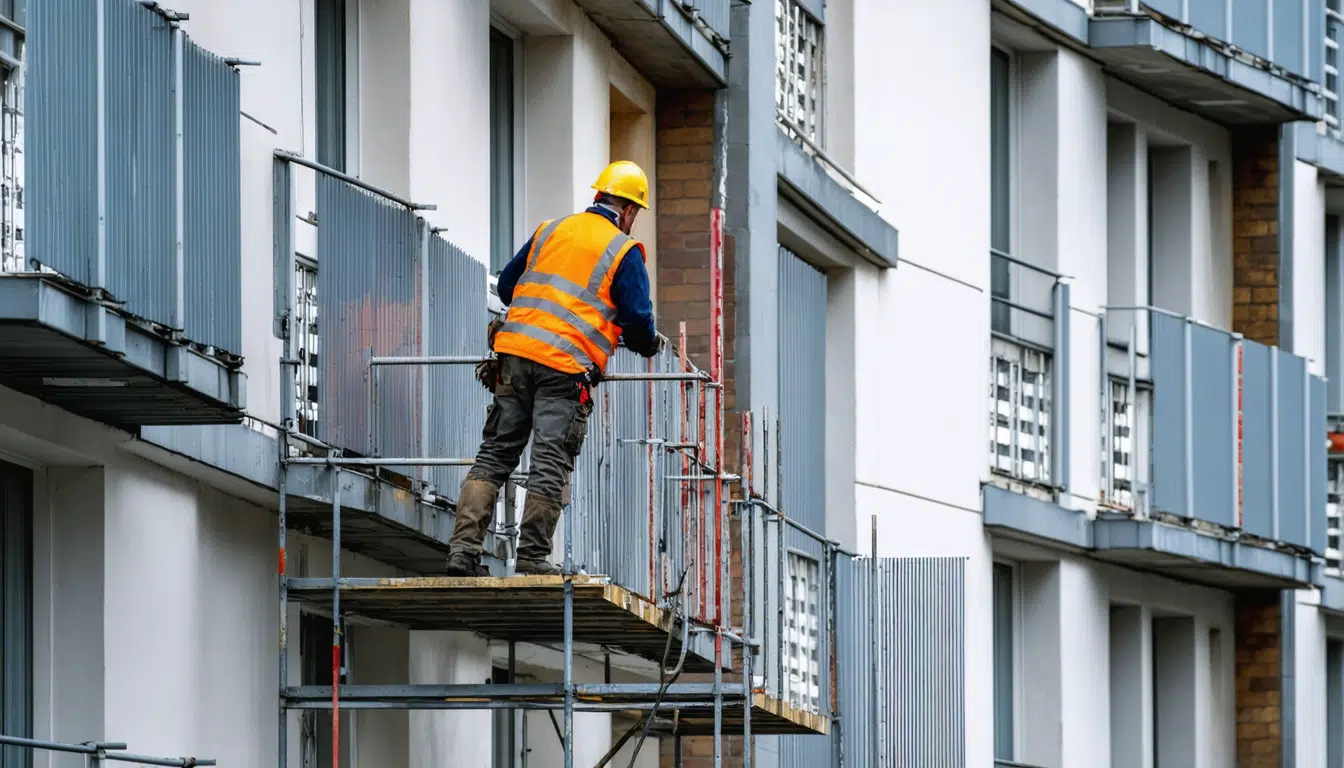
562, 314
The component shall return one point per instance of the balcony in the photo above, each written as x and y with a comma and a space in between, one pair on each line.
1234, 63
1214, 461
1028, 376
120, 286
674, 43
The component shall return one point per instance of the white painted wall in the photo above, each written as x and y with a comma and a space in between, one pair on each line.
1309, 266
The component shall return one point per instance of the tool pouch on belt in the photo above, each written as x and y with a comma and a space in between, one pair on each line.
487, 371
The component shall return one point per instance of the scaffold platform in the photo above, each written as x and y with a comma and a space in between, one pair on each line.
692, 702
524, 609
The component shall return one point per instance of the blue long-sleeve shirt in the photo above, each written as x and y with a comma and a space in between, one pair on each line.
629, 291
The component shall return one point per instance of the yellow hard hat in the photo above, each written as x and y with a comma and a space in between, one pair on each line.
626, 180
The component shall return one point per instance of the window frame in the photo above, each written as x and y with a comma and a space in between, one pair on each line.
515, 227
350, 154
1014, 596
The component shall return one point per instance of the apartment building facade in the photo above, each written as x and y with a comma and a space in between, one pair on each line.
1118, 247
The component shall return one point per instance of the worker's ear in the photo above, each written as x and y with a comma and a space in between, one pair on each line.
627, 220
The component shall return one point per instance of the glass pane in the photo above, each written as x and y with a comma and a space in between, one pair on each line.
501, 151
1003, 662
330, 75
999, 151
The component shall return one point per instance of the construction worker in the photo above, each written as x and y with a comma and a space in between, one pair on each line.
574, 290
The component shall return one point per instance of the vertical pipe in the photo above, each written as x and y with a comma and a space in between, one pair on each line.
872, 634
718, 697
782, 573
100, 256
832, 694
1307, 436
1274, 437
1107, 419
1188, 413
648, 447
1236, 426
284, 176
336, 614
426, 348
179, 319
747, 522
1060, 394
569, 634
513, 713
765, 452
685, 387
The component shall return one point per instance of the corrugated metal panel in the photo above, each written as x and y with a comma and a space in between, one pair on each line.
212, 152
1290, 36
922, 650
1168, 371
1317, 514
1208, 16
140, 161
1257, 471
802, 390
1292, 456
456, 325
369, 302
855, 660
62, 140
1214, 385
1250, 26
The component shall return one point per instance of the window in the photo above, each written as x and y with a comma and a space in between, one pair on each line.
1004, 629
801, 664
330, 71
16, 611
502, 122
1000, 189
308, 340
800, 77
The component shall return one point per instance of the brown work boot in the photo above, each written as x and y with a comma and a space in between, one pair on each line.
475, 508
540, 516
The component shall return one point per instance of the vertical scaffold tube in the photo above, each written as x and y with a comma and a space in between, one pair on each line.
284, 618
336, 615
569, 636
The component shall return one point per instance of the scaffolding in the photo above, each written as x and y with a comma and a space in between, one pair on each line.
97, 752
652, 584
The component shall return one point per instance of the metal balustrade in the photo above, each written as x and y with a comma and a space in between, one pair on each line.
1231, 433
1028, 385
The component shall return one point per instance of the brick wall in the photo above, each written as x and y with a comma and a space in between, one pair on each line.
1259, 680
1255, 233
685, 173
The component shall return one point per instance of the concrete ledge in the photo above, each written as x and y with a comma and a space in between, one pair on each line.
664, 46
1332, 594
803, 182
1196, 75
1193, 556
87, 358
1062, 17
1148, 545
1036, 521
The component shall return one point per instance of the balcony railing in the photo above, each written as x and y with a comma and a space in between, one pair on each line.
128, 170
1028, 382
1230, 434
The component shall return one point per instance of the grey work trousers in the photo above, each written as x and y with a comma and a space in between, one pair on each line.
532, 400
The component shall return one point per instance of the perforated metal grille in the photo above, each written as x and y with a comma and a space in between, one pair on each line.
1334, 500
1120, 451
802, 673
799, 68
305, 323
1020, 390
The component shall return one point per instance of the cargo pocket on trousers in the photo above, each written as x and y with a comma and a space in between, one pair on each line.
578, 427
491, 421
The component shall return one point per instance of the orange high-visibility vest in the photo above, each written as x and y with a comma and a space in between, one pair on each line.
562, 315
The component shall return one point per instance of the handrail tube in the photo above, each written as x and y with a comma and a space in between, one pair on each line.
656, 377
297, 159
1011, 339
419, 461
802, 134
1028, 265
104, 751
430, 360
1024, 308
1169, 313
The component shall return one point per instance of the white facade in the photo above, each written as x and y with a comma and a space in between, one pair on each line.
155, 586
